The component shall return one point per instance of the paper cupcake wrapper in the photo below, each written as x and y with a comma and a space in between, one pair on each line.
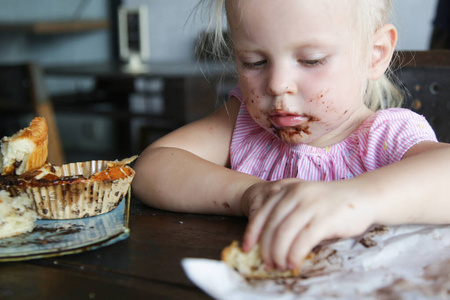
83, 199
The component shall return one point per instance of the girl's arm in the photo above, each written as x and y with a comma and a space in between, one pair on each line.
416, 189
186, 171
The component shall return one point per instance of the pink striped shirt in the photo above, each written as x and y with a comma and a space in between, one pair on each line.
381, 140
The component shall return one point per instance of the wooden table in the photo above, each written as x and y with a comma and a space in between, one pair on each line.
144, 266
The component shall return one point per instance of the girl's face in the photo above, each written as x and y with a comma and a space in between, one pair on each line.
295, 60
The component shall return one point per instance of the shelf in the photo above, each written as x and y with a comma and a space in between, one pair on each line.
53, 27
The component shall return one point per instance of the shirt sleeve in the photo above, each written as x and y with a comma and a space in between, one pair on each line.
392, 134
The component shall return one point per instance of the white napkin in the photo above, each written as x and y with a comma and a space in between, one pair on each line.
404, 262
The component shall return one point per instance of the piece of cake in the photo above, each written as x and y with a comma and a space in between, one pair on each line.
322, 259
25, 150
250, 264
17, 214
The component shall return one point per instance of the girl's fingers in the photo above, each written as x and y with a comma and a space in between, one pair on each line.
310, 236
257, 221
284, 236
287, 208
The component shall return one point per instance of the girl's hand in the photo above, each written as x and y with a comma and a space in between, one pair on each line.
290, 216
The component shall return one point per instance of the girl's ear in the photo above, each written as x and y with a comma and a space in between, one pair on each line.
383, 47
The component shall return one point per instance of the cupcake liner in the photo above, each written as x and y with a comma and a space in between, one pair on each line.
76, 195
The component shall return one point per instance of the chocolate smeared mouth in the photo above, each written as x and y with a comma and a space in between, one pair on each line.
289, 133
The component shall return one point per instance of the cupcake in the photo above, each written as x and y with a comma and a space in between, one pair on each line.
75, 190
70, 191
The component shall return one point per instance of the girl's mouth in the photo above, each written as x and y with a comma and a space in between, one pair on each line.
287, 119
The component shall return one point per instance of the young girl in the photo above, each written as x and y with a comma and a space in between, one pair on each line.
304, 146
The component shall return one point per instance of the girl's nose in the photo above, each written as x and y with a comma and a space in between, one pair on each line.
281, 81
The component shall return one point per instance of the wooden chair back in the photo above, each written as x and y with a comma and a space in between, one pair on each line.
425, 76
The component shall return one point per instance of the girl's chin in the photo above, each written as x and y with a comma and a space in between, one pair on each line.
294, 137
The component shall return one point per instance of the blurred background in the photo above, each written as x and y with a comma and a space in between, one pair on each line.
68, 52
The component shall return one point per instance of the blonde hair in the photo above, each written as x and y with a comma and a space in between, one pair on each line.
370, 15
214, 42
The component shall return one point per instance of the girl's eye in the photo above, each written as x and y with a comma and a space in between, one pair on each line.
254, 65
312, 62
